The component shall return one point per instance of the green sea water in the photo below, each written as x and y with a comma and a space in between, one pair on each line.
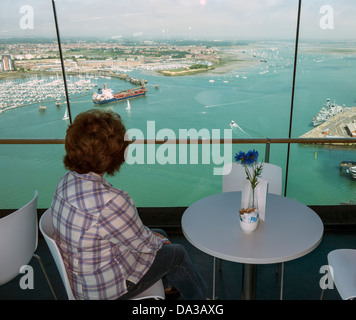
256, 98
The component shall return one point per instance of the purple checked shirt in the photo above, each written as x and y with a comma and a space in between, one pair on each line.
101, 237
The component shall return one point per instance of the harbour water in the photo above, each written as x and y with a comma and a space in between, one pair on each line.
256, 98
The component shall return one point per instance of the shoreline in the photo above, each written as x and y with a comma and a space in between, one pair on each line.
229, 59
186, 72
232, 58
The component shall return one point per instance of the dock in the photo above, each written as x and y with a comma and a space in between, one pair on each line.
336, 127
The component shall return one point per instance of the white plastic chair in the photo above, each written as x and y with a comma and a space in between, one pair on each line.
343, 266
233, 181
18, 242
156, 291
233, 176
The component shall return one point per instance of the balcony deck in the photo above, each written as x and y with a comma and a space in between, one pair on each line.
301, 280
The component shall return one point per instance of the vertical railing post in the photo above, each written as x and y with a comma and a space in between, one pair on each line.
293, 90
62, 60
267, 152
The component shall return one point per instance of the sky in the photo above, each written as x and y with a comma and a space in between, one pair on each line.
188, 19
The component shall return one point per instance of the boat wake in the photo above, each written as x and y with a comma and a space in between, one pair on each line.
219, 105
237, 129
236, 103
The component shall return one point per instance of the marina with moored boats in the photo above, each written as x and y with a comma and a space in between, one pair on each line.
17, 93
24, 92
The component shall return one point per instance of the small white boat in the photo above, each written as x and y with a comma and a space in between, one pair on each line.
128, 105
42, 108
65, 117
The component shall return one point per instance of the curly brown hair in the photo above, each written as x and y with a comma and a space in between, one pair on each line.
95, 143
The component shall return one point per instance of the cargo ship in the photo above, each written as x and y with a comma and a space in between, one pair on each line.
106, 95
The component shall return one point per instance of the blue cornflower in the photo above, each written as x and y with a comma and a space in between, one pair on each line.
241, 156
250, 159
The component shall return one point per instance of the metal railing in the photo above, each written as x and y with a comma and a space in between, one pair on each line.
267, 141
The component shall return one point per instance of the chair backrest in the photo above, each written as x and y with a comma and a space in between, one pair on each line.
235, 175
46, 228
18, 240
156, 291
343, 262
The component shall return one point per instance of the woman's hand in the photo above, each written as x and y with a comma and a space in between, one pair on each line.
162, 237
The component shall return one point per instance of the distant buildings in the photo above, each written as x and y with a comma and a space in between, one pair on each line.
6, 63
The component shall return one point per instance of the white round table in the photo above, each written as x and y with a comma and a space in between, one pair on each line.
290, 230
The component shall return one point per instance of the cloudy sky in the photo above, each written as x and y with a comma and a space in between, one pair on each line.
192, 19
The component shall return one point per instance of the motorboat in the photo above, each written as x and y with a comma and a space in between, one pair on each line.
352, 171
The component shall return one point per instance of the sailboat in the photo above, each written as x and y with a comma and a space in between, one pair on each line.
128, 104
65, 117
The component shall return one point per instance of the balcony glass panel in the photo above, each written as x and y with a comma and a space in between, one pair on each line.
31, 86
326, 69
244, 61
26, 168
212, 69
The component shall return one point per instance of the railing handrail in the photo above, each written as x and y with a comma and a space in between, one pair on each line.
268, 141
202, 141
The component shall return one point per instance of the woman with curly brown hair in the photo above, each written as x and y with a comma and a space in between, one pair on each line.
107, 251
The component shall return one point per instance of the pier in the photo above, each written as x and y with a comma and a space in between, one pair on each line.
122, 76
336, 127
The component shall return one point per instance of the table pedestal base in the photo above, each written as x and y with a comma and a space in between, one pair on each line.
249, 282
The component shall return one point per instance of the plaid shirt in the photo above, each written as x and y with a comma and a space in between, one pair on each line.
102, 239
